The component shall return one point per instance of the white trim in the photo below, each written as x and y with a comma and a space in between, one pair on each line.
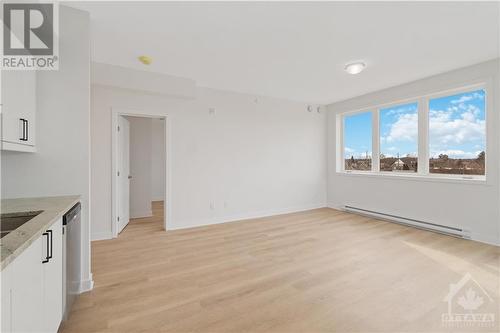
6, 145
480, 180
243, 217
115, 113
339, 126
375, 141
423, 137
86, 285
458, 89
486, 239
140, 215
101, 236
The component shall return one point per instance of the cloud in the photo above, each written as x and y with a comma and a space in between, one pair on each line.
400, 110
446, 130
403, 129
349, 150
469, 97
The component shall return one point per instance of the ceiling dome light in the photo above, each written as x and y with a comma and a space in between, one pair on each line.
355, 67
146, 60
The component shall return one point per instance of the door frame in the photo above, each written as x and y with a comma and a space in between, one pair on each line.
120, 112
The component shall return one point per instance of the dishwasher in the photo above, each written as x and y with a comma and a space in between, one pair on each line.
71, 257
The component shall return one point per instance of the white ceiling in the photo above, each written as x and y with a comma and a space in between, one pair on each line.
295, 50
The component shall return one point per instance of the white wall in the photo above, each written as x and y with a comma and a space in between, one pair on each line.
472, 206
61, 165
144, 81
252, 158
158, 159
140, 166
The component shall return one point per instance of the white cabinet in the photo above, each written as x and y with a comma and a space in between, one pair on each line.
32, 286
24, 289
18, 110
5, 296
53, 280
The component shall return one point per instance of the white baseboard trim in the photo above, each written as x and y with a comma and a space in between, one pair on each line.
487, 239
334, 206
242, 217
140, 215
101, 236
86, 285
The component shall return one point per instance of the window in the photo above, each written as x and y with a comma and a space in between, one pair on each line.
457, 134
399, 138
358, 141
432, 135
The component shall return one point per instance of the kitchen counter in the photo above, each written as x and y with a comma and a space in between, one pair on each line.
53, 208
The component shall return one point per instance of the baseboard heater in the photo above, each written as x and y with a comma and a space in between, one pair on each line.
442, 229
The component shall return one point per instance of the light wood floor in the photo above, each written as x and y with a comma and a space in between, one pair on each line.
316, 271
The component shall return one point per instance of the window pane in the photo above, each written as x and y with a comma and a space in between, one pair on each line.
358, 141
457, 134
399, 138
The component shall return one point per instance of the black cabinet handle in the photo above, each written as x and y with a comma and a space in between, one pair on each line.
25, 129
51, 241
46, 260
27, 138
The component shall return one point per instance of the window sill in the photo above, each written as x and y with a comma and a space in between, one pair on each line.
474, 180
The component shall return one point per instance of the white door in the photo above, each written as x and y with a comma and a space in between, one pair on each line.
123, 172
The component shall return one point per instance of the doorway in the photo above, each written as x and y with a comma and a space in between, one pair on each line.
140, 169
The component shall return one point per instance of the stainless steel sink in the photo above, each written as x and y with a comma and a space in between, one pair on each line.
11, 221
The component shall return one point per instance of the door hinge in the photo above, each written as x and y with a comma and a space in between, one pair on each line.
118, 173
118, 128
118, 219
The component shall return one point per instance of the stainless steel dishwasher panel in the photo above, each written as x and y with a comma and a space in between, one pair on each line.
71, 257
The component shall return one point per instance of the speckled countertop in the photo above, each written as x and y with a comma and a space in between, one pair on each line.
53, 208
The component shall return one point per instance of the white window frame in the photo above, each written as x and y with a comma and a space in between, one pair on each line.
423, 136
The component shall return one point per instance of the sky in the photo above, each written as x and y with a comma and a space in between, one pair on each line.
457, 125
399, 130
457, 128
358, 135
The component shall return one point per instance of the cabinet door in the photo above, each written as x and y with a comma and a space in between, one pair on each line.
26, 289
18, 107
29, 111
53, 280
6, 297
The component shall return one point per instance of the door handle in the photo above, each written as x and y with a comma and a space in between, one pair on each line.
46, 260
129, 177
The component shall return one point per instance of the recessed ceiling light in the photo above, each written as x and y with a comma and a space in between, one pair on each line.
145, 59
355, 67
